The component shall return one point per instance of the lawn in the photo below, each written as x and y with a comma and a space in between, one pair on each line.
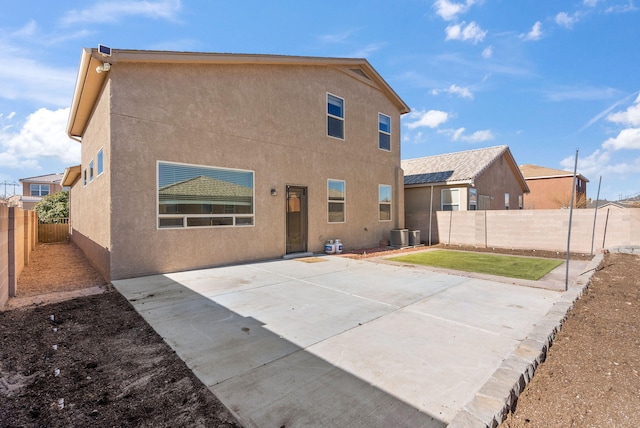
492, 264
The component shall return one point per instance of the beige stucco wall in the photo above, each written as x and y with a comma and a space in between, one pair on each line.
265, 118
90, 207
498, 179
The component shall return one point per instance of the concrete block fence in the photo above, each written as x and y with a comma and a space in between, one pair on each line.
535, 229
18, 238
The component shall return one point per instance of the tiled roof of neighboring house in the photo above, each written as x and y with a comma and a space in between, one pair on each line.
48, 178
206, 189
535, 172
456, 168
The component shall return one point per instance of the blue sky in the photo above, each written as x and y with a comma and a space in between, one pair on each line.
543, 77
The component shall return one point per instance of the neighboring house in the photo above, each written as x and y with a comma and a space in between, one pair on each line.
192, 160
551, 188
35, 188
481, 179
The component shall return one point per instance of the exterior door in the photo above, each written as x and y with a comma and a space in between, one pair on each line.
296, 219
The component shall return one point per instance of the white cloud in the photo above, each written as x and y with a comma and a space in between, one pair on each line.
337, 37
455, 90
367, 50
429, 119
565, 20
476, 137
627, 139
600, 163
487, 52
590, 3
630, 116
471, 32
24, 78
42, 136
449, 11
535, 33
112, 11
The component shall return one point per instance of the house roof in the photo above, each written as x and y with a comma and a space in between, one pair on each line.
71, 175
458, 167
535, 172
48, 178
89, 81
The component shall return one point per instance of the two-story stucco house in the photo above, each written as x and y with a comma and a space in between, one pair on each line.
36, 188
201, 159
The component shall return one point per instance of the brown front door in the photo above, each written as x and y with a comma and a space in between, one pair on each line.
296, 219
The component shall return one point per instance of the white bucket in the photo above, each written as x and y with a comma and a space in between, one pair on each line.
329, 247
338, 246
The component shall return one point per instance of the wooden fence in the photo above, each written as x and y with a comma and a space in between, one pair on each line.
57, 231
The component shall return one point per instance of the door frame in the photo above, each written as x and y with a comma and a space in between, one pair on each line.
304, 220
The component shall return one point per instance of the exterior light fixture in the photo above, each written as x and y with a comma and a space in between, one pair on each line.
273, 192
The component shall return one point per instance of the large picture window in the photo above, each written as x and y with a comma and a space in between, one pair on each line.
335, 116
450, 199
201, 196
336, 201
384, 202
384, 132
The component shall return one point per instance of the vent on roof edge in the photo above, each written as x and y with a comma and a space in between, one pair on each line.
360, 72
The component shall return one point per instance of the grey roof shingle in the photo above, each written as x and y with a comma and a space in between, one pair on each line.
449, 168
48, 178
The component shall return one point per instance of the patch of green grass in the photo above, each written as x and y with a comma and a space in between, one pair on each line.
492, 264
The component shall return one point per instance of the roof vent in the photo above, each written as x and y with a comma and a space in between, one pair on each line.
360, 72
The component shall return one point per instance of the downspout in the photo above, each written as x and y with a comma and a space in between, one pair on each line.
430, 214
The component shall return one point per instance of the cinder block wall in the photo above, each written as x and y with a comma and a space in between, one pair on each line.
4, 255
540, 229
18, 238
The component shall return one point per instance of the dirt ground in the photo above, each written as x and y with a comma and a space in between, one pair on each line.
591, 374
114, 370
91, 361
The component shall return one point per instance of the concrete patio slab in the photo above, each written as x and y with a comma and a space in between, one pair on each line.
331, 341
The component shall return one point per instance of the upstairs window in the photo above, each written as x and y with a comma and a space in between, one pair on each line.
39, 189
384, 202
384, 132
335, 201
335, 116
91, 175
202, 196
100, 161
506, 201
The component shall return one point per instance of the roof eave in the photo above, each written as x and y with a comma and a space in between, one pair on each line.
71, 175
89, 83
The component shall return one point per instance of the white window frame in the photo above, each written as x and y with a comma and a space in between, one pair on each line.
382, 132
331, 116
100, 162
40, 187
186, 217
442, 204
337, 201
381, 202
